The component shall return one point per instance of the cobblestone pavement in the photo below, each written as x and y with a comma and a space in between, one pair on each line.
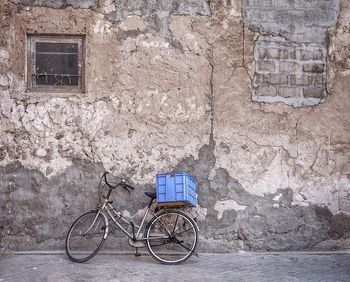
208, 267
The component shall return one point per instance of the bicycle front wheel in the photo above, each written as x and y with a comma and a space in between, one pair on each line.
171, 237
86, 236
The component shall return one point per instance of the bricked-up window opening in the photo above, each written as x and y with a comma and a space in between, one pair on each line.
55, 63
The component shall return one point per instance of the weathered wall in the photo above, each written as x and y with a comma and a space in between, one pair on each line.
250, 97
290, 66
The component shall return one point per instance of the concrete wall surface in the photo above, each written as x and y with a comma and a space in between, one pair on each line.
251, 97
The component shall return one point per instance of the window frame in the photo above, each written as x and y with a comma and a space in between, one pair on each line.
32, 39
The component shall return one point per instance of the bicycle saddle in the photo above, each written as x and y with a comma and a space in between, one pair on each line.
152, 195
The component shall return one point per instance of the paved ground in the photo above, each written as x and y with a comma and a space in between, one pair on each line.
208, 267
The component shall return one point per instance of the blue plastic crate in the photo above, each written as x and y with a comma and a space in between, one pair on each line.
176, 187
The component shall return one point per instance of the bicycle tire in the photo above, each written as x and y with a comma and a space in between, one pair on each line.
86, 236
171, 237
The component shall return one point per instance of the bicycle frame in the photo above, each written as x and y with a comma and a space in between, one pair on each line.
108, 208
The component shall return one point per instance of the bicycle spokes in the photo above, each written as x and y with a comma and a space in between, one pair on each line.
86, 236
177, 237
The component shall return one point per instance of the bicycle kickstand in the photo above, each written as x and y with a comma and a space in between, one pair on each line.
137, 254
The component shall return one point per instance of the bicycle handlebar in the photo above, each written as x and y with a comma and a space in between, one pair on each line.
129, 186
121, 183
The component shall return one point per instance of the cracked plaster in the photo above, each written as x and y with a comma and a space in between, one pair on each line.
175, 100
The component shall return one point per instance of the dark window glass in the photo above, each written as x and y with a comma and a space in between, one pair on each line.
57, 47
56, 64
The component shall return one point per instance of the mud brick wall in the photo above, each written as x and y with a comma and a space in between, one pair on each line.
289, 72
291, 69
251, 97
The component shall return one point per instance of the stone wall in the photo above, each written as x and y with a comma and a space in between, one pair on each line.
250, 97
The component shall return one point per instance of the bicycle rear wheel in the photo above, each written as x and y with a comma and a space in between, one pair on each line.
86, 236
171, 237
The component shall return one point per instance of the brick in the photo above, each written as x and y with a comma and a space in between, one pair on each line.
267, 66
278, 53
262, 53
277, 79
314, 92
318, 80
314, 68
289, 92
300, 79
289, 67
273, 53
266, 91
301, 54
307, 54
284, 54
258, 79
317, 55
292, 54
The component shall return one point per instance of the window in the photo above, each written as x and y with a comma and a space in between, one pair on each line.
55, 63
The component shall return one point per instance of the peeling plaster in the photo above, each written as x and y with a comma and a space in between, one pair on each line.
277, 197
172, 92
225, 205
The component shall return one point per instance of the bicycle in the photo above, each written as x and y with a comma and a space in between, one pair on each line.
170, 236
